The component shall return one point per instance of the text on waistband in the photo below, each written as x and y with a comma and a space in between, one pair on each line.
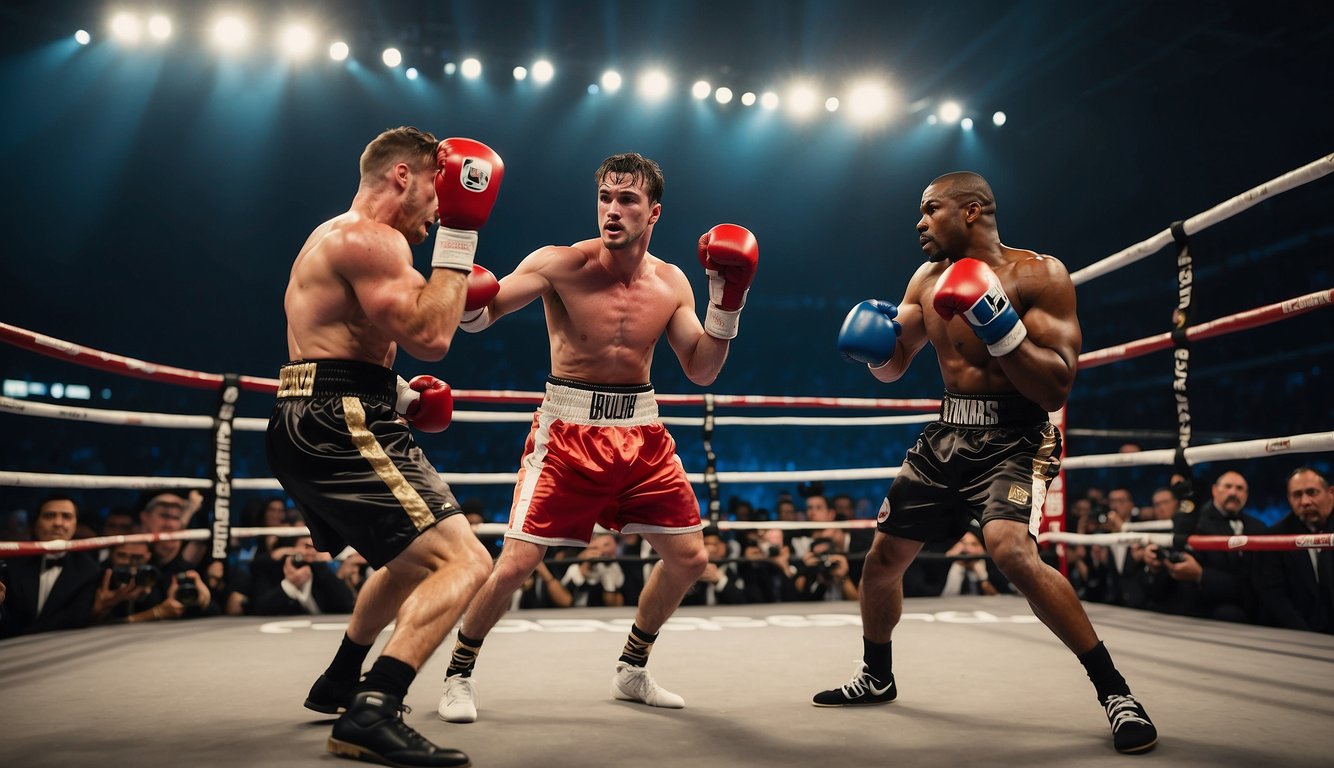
610, 406
979, 413
296, 380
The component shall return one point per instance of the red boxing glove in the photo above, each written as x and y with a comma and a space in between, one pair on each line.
426, 402
730, 255
969, 288
482, 288
465, 187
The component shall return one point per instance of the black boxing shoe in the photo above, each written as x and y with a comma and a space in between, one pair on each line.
861, 690
373, 730
1132, 731
331, 697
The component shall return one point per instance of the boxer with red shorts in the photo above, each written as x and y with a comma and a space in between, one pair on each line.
597, 452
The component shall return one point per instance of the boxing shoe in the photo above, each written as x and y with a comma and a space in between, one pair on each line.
1132, 731
330, 696
373, 730
458, 704
633, 683
863, 688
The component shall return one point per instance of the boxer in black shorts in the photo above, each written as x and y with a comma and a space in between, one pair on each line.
337, 440
1003, 324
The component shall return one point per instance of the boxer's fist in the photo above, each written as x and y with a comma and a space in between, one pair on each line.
730, 255
969, 288
482, 288
466, 186
870, 332
426, 402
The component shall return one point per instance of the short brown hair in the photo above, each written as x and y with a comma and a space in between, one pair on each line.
401, 144
639, 168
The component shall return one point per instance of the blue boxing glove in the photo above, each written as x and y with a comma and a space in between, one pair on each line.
870, 332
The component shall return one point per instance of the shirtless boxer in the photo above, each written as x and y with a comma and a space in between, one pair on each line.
597, 452
339, 448
1003, 323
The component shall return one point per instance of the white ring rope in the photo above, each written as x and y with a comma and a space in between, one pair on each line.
1201, 221
1199, 454
184, 421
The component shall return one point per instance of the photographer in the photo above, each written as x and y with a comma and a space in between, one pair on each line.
824, 573
767, 572
297, 579
133, 590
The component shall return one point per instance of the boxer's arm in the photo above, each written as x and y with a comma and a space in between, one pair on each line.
912, 337
1043, 367
530, 280
420, 315
701, 354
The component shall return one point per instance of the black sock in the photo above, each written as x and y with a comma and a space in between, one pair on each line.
637, 647
388, 675
464, 656
879, 659
346, 664
1106, 680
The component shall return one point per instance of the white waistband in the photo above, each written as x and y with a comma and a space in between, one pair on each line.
577, 405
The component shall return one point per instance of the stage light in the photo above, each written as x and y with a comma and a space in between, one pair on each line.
126, 28
520, 73
159, 27
451, 68
296, 41
966, 123
593, 89
611, 81
391, 57
723, 95
998, 119
868, 102
932, 119
831, 104
950, 112
747, 98
701, 90
82, 37
543, 71
339, 51
769, 100
411, 73
801, 100
471, 68
654, 84
230, 33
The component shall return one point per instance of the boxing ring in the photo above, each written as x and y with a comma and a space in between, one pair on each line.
983, 684
227, 690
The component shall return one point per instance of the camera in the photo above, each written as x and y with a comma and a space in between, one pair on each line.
298, 560
1171, 555
187, 592
772, 550
141, 575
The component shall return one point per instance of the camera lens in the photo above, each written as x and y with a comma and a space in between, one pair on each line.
145, 575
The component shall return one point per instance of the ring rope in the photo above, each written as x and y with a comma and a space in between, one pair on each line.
186, 421
1251, 318
1201, 221
112, 363
1308, 443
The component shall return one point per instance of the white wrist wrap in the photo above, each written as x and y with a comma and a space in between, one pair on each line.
477, 320
406, 396
721, 323
454, 249
1010, 341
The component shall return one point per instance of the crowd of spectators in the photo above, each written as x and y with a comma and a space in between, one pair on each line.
276, 575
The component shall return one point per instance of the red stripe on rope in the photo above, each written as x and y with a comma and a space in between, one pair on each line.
139, 369
1266, 543
1251, 318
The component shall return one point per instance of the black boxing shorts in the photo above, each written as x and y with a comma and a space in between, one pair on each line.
349, 463
989, 457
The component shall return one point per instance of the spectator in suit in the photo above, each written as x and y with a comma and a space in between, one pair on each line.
53, 591
1213, 585
720, 584
298, 583
1297, 588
